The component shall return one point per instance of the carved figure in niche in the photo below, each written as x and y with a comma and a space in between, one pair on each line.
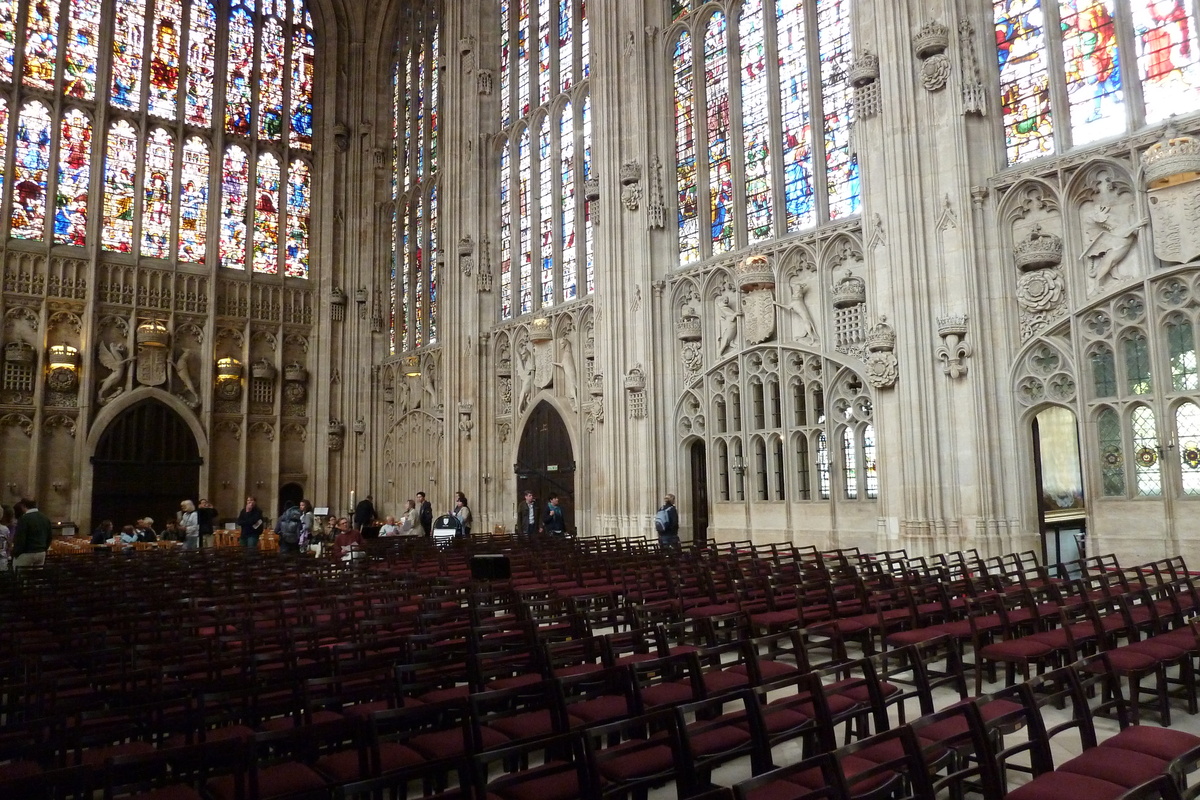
401, 397
184, 373
113, 357
526, 392
566, 360
806, 329
1110, 236
428, 390
727, 323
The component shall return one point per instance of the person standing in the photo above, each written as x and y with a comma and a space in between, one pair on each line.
411, 524
666, 522
250, 520
527, 515
6, 537
425, 511
189, 523
103, 533
206, 516
364, 513
307, 521
288, 526
32, 538
463, 512
555, 523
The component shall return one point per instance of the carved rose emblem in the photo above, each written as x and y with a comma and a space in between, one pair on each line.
1040, 290
883, 369
935, 71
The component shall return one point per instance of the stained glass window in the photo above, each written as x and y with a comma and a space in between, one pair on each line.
685, 152
235, 185
546, 215
41, 43
1181, 343
8, 39
566, 151
870, 463
1146, 465
544, 165
1093, 99
841, 169
824, 476
1187, 434
157, 195
193, 201
795, 100
303, 58
164, 58
270, 81
3, 140
416, 278
1112, 453
202, 49
756, 122
720, 169
239, 66
82, 50
125, 90
524, 203
803, 470
299, 213
589, 239
506, 238
266, 215
31, 170
120, 171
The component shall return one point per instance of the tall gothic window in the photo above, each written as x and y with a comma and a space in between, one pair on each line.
1074, 72
194, 130
414, 280
762, 121
545, 155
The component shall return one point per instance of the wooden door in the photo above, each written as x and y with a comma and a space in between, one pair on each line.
545, 462
699, 505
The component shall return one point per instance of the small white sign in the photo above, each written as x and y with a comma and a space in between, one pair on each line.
322, 511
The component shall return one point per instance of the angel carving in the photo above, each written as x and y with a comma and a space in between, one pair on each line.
183, 372
112, 356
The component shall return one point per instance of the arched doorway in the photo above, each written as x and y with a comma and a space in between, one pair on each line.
146, 462
1062, 509
699, 509
290, 494
545, 462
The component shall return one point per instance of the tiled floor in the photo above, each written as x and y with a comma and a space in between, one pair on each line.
790, 753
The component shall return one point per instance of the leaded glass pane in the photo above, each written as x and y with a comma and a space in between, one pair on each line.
74, 175
164, 59
31, 169
8, 39
525, 203
841, 168
1181, 343
803, 476
1104, 372
796, 144
870, 466
1187, 434
566, 154
739, 472
545, 81
850, 463
126, 85
589, 241
1137, 364
235, 186
1112, 453
418, 268
777, 469
303, 58
239, 72
270, 81
41, 42
1167, 56
546, 213
201, 62
431, 264
823, 467
566, 54
1146, 453
761, 486
506, 237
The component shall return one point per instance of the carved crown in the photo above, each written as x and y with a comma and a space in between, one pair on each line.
952, 325
635, 380
466, 246
849, 291
262, 369
152, 333
933, 38
591, 189
1169, 161
19, 353
688, 329
631, 172
596, 385
881, 338
864, 70
754, 272
539, 330
295, 373
337, 296
1038, 249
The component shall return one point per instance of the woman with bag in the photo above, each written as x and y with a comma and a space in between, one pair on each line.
189, 523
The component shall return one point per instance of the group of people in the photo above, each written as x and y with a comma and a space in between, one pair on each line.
192, 527
415, 520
